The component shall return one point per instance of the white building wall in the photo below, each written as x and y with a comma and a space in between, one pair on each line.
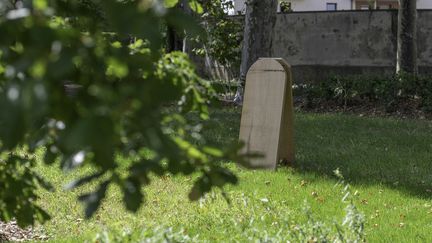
424, 4
305, 5
320, 5
239, 6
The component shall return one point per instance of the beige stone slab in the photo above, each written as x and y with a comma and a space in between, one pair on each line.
267, 116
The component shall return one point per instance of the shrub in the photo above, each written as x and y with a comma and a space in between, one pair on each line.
285, 7
388, 91
224, 35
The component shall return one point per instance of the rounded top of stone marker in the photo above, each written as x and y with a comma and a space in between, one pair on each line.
270, 64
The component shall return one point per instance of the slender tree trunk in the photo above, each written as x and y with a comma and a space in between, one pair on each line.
260, 19
174, 41
407, 37
178, 41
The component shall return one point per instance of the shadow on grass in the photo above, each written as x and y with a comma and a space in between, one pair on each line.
394, 153
391, 152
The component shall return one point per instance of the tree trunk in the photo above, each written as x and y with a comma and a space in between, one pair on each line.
177, 41
174, 41
260, 19
407, 37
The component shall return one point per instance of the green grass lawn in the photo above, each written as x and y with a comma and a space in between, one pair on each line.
387, 161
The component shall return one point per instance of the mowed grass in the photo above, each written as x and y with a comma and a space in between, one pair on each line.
387, 161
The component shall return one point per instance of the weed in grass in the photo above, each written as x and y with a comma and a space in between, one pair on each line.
159, 234
257, 213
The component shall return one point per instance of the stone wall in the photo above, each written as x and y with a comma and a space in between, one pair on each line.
322, 44
319, 44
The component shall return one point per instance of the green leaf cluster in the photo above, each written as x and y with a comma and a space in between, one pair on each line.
224, 35
89, 82
17, 190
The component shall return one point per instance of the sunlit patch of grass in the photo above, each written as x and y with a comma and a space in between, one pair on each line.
387, 161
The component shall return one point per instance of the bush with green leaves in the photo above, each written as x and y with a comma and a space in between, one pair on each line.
285, 7
389, 91
223, 38
89, 83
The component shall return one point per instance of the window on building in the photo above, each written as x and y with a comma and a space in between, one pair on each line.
331, 6
364, 7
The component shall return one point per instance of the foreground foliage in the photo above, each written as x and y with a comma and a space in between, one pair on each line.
88, 81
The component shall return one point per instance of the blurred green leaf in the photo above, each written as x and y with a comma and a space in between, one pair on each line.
84, 180
88, 83
132, 195
196, 6
93, 200
40, 4
170, 3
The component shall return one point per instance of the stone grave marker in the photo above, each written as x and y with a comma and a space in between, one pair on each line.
267, 117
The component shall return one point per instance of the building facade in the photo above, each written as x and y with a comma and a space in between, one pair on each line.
333, 5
